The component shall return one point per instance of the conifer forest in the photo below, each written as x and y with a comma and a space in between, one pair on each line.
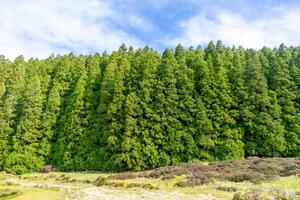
138, 109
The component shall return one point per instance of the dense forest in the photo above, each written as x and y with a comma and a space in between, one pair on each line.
141, 109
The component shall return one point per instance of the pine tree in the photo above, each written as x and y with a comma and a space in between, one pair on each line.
131, 146
205, 137
188, 109
59, 88
73, 129
11, 104
264, 134
72, 118
138, 150
167, 108
5, 129
280, 82
111, 114
26, 155
223, 112
293, 136
88, 152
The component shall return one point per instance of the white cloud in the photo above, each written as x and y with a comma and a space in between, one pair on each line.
140, 23
39, 28
279, 25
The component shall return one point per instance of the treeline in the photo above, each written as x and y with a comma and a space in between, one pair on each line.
139, 109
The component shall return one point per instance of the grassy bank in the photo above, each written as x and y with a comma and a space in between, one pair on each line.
253, 178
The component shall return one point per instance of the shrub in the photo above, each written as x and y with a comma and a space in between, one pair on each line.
265, 194
244, 176
267, 168
48, 168
184, 184
168, 176
227, 189
4, 175
64, 178
196, 179
123, 176
251, 195
252, 169
148, 186
18, 163
176, 170
100, 181
7, 193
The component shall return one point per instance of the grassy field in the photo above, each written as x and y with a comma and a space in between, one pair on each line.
185, 181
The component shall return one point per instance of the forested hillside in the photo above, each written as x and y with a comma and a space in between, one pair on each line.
139, 109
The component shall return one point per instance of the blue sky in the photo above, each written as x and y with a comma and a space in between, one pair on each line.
38, 28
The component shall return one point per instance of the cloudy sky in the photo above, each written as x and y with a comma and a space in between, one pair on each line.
38, 28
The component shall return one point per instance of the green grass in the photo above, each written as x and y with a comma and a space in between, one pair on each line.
291, 183
31, 193
38, 194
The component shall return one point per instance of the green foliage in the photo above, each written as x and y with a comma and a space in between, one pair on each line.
138, 109
20, 163
260, 112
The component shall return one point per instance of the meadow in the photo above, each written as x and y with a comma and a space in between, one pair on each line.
252, 178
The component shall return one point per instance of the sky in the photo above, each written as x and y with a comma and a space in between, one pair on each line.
39, 28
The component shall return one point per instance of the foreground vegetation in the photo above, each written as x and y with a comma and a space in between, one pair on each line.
251, 179
138, 109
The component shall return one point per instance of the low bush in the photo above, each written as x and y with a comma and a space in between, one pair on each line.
176, 170
7, 193
168, 176
123, 176
227, 189
241, 176
100, 181
51, 176
148, 186
267, 168
64, 178
252, 169
265, 195
103, 181
48, 168
4, 175
251, 195
184, 184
